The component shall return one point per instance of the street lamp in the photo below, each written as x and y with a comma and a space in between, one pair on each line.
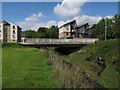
105, 30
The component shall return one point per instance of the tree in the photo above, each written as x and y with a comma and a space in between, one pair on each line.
52, 32
42, 32
99, 29
116, 26
113, 28
29, 33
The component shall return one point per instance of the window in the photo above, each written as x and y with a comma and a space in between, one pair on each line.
5, 35
0, 35
13, 40
67, 29
13, 31
5, 31
66, 33
71, 27
0, 26
0, 31
13, 27
13, 36
5, 26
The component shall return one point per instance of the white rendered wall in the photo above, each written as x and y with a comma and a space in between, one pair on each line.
64, 29
11, 31
1, 28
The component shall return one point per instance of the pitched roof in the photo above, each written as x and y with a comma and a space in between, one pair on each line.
82, 25
74, 21
4, 22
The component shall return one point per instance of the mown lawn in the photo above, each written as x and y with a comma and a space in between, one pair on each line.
25, 68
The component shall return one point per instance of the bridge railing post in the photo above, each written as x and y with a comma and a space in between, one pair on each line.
23, 40
84, 41
37, 40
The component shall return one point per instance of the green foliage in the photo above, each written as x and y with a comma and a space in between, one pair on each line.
53, 32
29, 33
42, 32
11, 45
100, 61
113, 28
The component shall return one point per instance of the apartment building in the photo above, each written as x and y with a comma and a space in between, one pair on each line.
67, 30
9, 32
82, 31
72, 30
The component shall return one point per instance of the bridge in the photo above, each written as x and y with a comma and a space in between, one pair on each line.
57, 42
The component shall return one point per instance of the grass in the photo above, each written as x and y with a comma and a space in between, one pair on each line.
25, 68
86, 60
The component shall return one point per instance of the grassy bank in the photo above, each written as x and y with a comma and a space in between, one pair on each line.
25, 68
100, 61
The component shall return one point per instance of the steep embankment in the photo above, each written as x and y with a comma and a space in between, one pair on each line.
92, 66
67, 74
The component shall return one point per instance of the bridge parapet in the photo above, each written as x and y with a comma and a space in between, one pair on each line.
59, 41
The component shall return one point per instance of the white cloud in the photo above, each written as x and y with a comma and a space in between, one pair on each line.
109, 17
80, 20
33, 22
87, 19
60, 23
47, 24
34, 17
39, 15
37, 25
50, 23
69, 8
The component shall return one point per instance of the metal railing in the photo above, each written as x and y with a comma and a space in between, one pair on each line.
59, 41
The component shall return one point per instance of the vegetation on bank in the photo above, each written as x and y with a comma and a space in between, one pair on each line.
100, 61
25, 67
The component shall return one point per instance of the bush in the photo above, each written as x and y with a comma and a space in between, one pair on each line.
10, 45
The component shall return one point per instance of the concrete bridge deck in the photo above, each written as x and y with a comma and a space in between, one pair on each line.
57, 42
